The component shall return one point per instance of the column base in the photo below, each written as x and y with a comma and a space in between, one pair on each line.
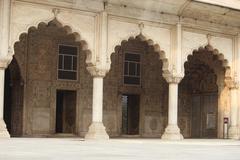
233, 132
3, 130
172, 132
96, 131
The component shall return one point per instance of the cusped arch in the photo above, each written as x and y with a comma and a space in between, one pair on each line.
67, 29
150, 43
210, 50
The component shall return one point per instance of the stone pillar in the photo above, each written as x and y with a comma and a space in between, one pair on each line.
172, 131
3, 130
5, 58
96, 129
233, 130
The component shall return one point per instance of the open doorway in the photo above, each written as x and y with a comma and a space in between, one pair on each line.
65, 111
130, 114
199, 93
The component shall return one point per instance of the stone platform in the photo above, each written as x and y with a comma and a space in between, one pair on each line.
117, 149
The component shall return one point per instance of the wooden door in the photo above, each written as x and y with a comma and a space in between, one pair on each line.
69, 112
196, 117
209, 114
204, 116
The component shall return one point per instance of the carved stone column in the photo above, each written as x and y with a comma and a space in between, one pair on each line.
172, 131
5, 58
233, 130
96, 129
3, 130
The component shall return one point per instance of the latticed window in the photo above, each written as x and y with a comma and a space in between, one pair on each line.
132, 68
67, 62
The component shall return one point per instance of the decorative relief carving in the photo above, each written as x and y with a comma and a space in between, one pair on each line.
231, 83
96, 71
153, 124
4, 62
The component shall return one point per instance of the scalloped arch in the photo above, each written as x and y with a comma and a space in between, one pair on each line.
68, 31
150, 43
67, 28
219, 55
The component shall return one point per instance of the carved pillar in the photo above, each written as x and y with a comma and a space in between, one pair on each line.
96, 129
5, 9
233, 130
172, 131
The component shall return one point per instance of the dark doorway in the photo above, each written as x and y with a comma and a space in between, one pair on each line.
13, 99
66, 111
198, 92
204, 115
130, 114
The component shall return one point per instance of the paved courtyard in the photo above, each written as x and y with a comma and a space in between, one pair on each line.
117, 149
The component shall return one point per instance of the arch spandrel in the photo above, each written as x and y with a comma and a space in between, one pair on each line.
222, 44
119, 30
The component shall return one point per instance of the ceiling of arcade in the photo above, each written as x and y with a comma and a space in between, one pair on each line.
205, 10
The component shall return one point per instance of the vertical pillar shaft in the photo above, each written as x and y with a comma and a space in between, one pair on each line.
172, 101
234, 107
1, 92
172, 131
97, 99
4, 45
3, 130
97, 67
233, 130
5, 27
96, 129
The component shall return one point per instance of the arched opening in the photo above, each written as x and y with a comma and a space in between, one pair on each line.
199, 94
51, 60
135, 92
13, 99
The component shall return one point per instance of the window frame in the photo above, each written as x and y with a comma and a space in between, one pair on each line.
140, 70
77, 66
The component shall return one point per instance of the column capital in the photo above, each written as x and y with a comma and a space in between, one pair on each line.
96, 71
171, 78
232, 84
4, 62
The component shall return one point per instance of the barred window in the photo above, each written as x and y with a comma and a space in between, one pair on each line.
132, 68
67, 62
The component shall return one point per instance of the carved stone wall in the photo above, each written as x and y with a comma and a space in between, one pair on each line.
153, 90
37, 56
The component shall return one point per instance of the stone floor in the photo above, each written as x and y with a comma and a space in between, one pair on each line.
117, 149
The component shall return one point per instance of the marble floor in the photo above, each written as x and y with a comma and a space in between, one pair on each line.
117, 149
